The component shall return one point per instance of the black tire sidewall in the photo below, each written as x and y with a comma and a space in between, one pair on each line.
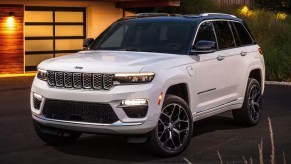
243, 115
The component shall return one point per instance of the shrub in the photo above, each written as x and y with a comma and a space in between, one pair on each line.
272, 33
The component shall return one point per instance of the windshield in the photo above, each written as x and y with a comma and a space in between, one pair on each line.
147, 36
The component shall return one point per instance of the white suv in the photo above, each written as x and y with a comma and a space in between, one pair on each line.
150, 77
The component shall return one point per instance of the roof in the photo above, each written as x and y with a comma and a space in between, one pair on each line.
183, 18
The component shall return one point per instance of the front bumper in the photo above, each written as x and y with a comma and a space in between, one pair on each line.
125, 125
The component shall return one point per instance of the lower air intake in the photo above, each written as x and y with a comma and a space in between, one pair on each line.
79, 111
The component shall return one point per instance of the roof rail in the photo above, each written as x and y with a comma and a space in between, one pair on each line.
218, 14
151, 14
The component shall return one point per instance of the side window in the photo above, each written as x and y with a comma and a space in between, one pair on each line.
206, 32
225, 38
243, 34
235, 35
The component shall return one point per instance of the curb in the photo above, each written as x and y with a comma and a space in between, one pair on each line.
278, 83
17, 75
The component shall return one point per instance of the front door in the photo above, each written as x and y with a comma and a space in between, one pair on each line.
210, 72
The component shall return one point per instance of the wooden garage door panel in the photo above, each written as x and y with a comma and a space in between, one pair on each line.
38, 16
53, 30
69, 16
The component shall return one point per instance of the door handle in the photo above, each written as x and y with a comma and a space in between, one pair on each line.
243, 53
219, 58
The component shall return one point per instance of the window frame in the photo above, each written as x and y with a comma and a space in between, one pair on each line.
253, 41
196, 34
228, 20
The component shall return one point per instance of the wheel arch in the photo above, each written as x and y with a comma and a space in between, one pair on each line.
181, 90
257, 73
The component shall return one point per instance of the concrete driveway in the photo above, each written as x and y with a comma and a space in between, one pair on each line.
19, 143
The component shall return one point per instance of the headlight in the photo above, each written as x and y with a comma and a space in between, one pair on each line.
42, 74
132, 78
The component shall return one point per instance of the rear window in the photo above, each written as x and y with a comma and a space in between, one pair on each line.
225, 38
244, 36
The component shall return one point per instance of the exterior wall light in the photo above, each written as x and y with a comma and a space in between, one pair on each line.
10, 23
11, 14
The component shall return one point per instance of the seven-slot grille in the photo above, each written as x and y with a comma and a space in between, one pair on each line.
80, 80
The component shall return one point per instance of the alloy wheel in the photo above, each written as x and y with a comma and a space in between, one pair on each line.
255, 102
173, 127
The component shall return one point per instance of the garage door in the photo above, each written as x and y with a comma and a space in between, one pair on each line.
52, 32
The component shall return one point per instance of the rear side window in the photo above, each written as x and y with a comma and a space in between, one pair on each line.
206, 33
243, 34
225, 38
235, 35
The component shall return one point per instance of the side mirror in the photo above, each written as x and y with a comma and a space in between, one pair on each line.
204, 46
87, 43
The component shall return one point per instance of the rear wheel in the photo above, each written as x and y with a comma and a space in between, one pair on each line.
55, 136
174, 129
250, 113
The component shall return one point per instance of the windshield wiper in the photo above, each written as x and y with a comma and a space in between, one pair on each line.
130, 49
136, 49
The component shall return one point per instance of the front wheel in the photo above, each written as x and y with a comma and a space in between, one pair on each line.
174, 129
250, 113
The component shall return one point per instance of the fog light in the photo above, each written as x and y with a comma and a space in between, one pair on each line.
134, 102
37, 96
37, 99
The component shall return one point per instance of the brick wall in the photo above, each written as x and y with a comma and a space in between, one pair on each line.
11, 39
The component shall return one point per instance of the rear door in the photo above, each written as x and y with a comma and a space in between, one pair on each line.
228, 44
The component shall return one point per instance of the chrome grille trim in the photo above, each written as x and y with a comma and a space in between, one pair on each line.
51, 78
107, 81
76, 80
68, 81
87, 81
97, 81
59, 79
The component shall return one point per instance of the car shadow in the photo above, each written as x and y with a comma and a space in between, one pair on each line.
113, 147
214, 123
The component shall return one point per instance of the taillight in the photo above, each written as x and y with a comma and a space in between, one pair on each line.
260, 51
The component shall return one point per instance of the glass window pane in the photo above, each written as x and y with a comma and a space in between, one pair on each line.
38, 16
69, 44
116, 38
206, 33
69, 30
38, 31
235, 35
225, 38
243, 34
34, 60
69, 16
38, 45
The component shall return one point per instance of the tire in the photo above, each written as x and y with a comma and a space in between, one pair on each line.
250, 113
53, 136
175, 133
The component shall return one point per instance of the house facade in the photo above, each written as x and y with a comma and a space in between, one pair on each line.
34, 30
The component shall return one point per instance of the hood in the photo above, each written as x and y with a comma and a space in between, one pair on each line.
105, 61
